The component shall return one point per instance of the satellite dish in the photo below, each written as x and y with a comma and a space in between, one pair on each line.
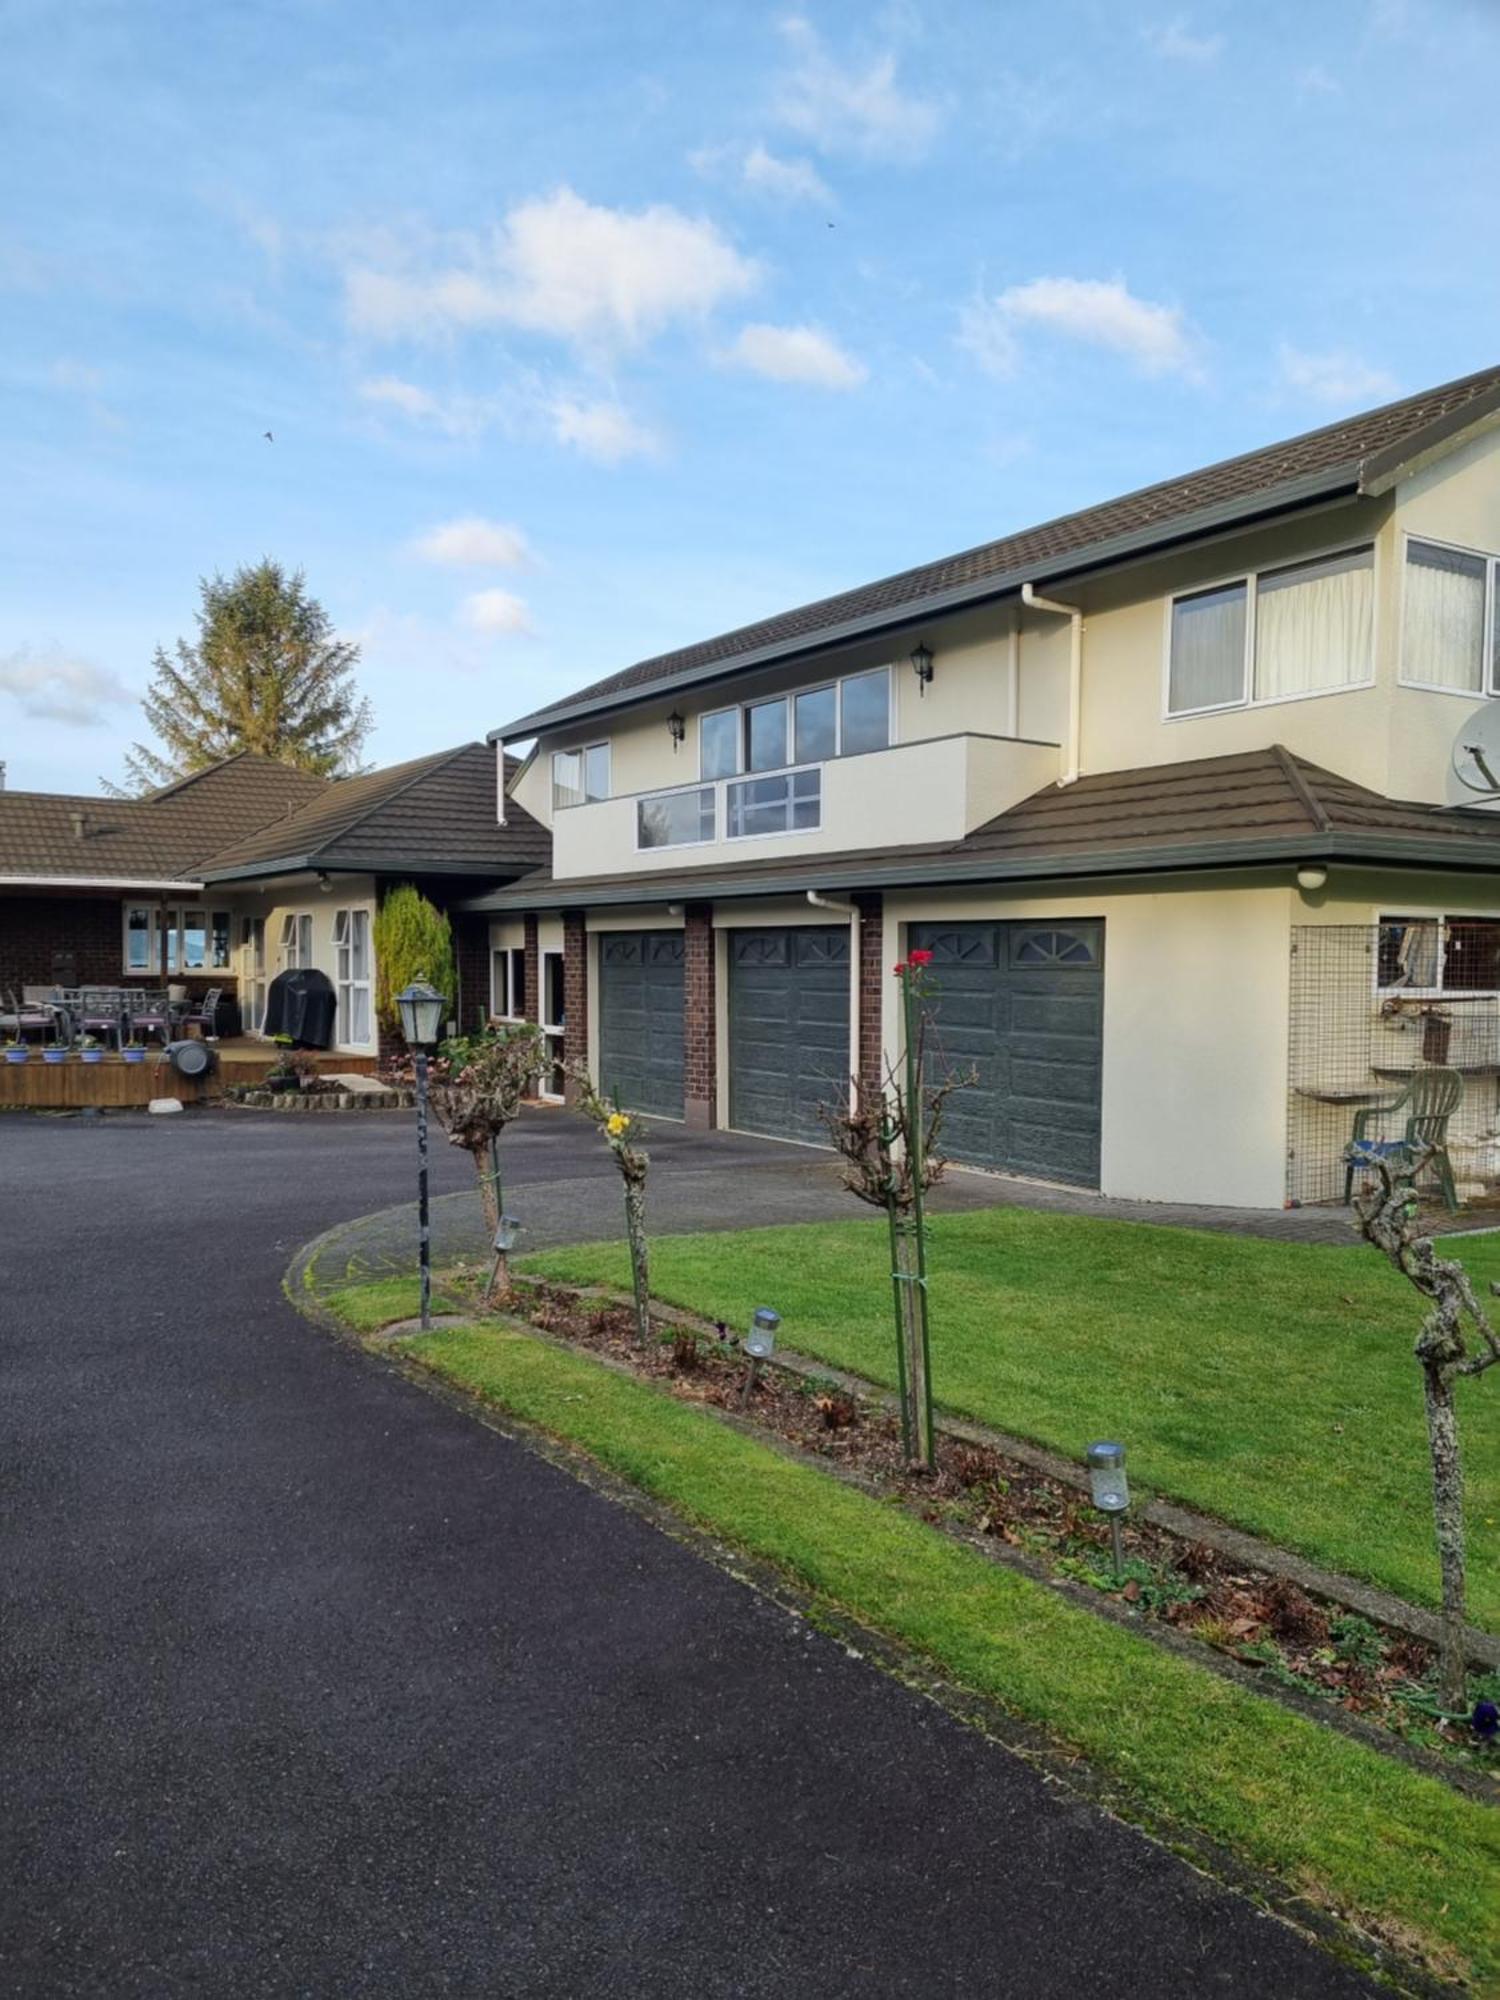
1476, 759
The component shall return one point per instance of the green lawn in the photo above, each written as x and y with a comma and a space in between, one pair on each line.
1272, 1384
1361, 1832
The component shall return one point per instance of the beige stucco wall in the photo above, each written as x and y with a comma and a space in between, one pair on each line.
304, 898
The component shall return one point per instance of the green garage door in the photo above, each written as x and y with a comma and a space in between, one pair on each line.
640, 1020
1024, 1005
788, 1029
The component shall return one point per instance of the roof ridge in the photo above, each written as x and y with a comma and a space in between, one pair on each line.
436, 760
1306, 797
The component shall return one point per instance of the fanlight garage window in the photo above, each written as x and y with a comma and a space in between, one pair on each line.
1305, 628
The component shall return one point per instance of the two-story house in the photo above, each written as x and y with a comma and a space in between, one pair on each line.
1112, 772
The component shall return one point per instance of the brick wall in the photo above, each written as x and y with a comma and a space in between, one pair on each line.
533, 972
575, 992
699, 1018
872, 974
471, 952
77, 940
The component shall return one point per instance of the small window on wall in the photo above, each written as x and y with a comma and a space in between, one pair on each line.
296, 941
508, 983
142, 952
1439, 955
579, 777
1447, 608
1303, 628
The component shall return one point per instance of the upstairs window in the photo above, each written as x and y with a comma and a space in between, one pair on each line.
839, 719
1304, 628
1450, 626
579, 777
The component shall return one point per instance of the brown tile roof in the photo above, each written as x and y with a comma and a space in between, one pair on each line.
433, 815
1356, 453
1215, 812
164, 836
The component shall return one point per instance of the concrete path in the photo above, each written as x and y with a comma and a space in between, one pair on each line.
314, 1686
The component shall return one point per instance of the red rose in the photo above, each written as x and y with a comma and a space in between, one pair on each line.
921, 958
899, 969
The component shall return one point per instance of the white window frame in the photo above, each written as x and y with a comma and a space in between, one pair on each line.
583, 751
252, 975
1250, 579
345, 985
294, 948
1445, 917
1488, 688
836, 682
154, 930
714, 785
551, 1030
775, 832
168, 923
510, 1005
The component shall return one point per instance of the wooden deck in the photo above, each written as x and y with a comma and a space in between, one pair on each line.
114, 1084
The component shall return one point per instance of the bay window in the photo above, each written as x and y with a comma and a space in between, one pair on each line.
1450, 627
1302, 628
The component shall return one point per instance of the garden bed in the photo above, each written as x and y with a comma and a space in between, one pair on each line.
1262, 1620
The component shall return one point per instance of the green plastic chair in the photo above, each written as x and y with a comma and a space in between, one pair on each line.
1430, 1100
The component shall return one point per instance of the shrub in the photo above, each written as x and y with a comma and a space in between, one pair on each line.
413, 940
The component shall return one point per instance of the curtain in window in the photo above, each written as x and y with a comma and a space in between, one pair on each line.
1208, 649
1314, 625
1442, 637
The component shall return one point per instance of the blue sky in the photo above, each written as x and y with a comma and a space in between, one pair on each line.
585, 331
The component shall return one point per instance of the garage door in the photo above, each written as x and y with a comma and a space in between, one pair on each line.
788, 1029
1024, 1004
640, 1020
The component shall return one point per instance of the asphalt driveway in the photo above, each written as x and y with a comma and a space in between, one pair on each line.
314, 1686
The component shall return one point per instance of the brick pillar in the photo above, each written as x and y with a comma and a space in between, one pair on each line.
533, 982
700, 1092
471, 953
869, 1064
575, 993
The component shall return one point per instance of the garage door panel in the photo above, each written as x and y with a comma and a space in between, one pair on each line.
1022, 1003
640, 1020
788, 1028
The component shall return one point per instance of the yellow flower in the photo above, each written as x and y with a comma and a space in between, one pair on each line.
616, 1124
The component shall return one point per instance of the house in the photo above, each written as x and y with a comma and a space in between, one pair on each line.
248, 868
1113, 772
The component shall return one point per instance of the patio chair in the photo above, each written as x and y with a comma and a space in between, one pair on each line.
10, 1012
101, 1012
1429, 1100
206, 1017
152, 1016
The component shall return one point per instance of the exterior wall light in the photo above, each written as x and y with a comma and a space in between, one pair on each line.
921, 666
760, 1344
1109, 1490
676, 729
1311, 875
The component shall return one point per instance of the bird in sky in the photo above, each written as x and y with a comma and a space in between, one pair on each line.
268, 437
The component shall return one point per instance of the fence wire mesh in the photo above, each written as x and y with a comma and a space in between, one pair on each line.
1370, 1005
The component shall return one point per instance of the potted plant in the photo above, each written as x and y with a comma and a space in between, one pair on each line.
16, 1051
90, 1051
54, 1052
133, 1052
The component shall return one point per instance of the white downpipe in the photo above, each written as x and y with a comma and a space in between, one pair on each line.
1075, 675
821, 902
500, 780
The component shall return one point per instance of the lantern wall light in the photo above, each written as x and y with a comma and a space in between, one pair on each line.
921, 666
676, 729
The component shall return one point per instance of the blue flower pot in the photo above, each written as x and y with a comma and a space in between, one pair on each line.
54, 1055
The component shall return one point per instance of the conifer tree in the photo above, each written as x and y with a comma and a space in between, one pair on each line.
267, 673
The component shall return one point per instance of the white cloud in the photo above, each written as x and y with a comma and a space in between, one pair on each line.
796, 354
474, 543
1100, 313
840, 107
787, 180
600, 430
557, 265
53, 686
1336, 376
1175, 40
1318, 82
495, 611
456, 416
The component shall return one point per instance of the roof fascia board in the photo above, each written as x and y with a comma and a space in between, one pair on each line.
1112, 552
947, 870
347, 864
1384, 469
100, 882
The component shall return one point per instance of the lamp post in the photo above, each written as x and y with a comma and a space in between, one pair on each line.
1110, 1490
759, 1344
421, 1008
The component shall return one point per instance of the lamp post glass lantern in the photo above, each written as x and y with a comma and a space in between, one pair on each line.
421, 1009
760, 1344
1110, 1490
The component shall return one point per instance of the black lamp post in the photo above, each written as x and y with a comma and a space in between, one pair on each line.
421, 1008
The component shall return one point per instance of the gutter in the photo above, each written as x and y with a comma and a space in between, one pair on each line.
1074, 737
310, 864
1342, 481
99, 882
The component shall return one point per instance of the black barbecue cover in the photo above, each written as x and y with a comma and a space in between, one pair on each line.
302, 1004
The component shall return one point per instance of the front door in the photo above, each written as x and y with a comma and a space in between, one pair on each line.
252, 974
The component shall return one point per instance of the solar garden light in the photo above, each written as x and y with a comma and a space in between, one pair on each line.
1110, 1490
421, 1009
760, 1344
507, 1235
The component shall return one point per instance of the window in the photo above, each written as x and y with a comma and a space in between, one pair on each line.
765, 735
719, 744
508, 983
675, 819
816, 727
554, 1024
1304, 628
1448, 606
351, 940
1439, 955
790, 803
195, 940
252, 973
579, 777
865, 712
296, 940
